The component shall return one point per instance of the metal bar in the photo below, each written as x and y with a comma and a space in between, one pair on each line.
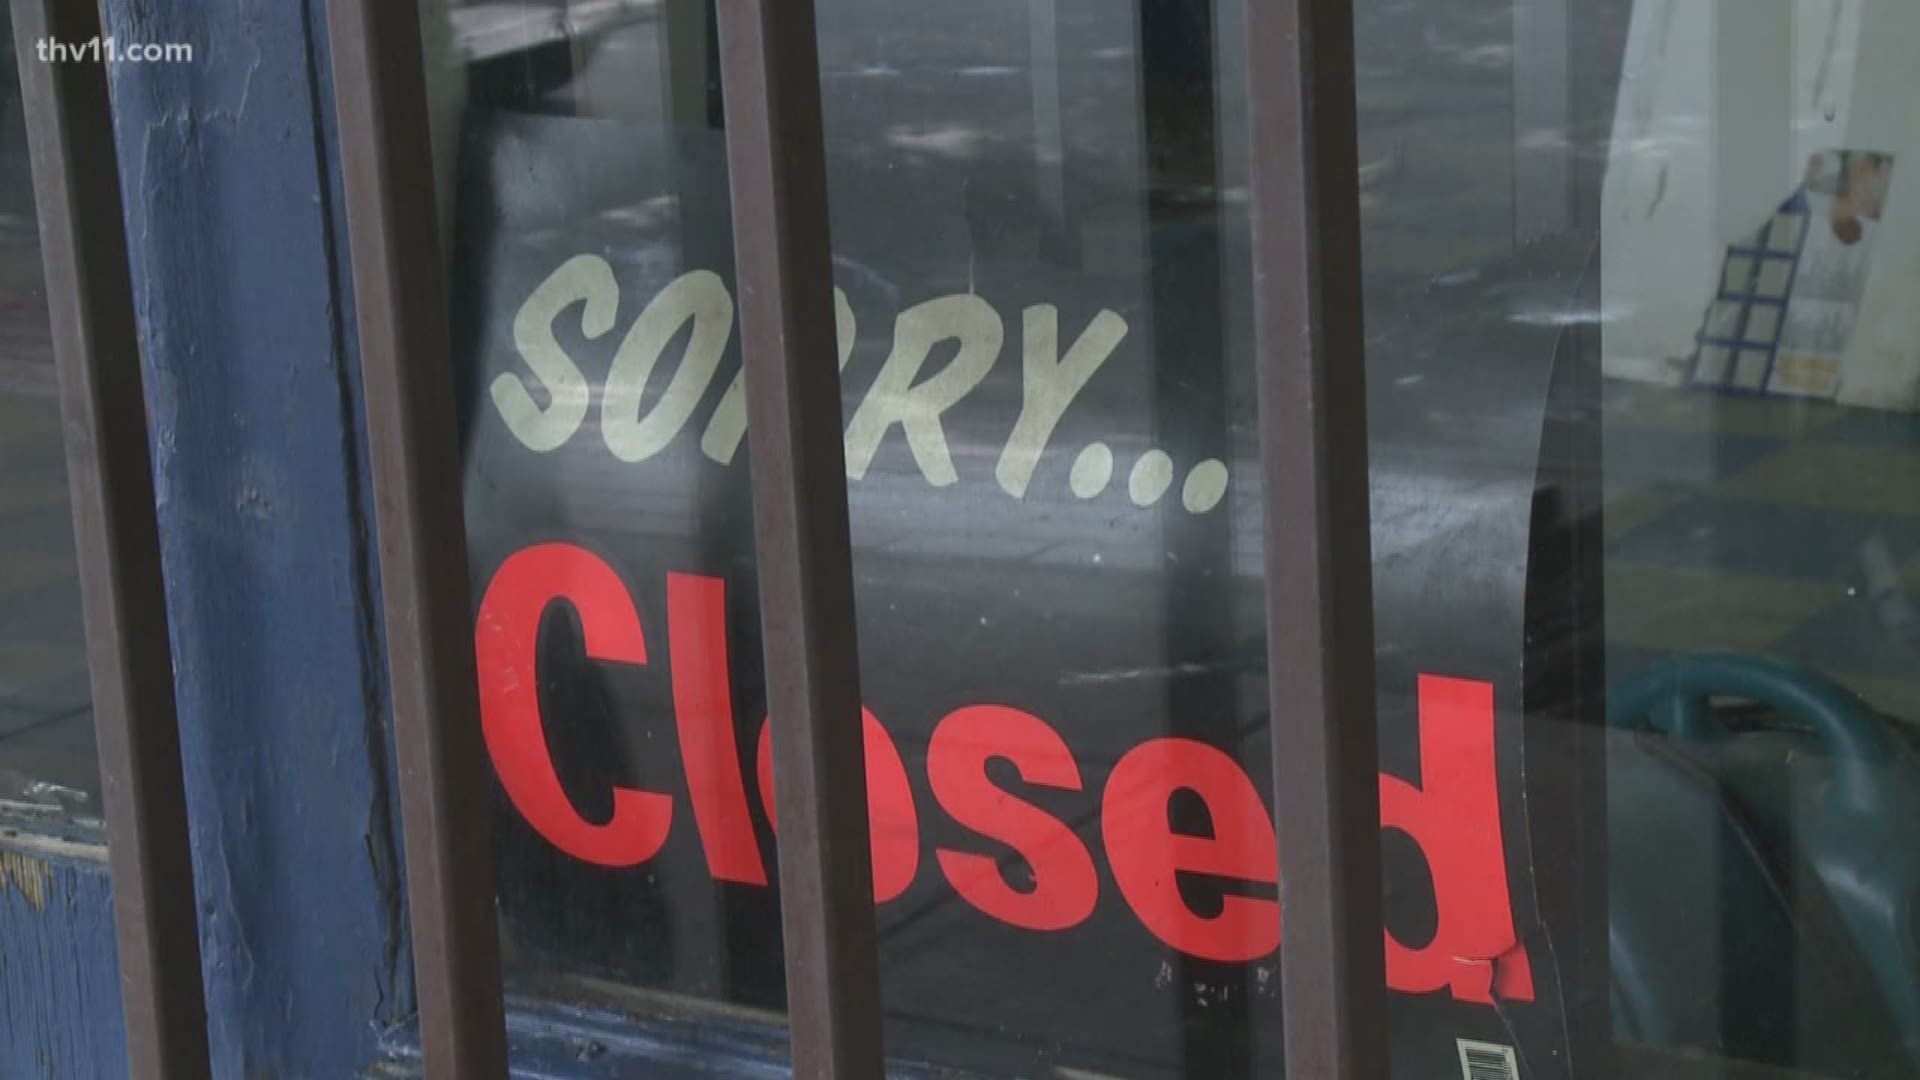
771, 81
76, 180
405, 350
1312, 392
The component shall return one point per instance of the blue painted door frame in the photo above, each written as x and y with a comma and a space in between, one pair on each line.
58, 982
229, 172
238, 249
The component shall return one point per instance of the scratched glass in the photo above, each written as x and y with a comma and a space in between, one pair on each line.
49, 775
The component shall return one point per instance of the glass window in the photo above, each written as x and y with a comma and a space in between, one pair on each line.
1642, 397
1761, 483
48, 773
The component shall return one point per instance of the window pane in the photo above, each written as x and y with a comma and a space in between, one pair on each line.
49, 777
1642, 424
1039, 219
1641, 265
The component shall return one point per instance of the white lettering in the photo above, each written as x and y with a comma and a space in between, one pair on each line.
699, 296
894, 399
1049, 384
729, 423
582, 278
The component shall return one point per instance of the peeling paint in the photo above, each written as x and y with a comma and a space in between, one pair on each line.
264, 509
59, 1002
32, 876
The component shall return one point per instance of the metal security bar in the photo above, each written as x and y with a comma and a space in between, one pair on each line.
1319, 566
445, 798
770, 74
76, 181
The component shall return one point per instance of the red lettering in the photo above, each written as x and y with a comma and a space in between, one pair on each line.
703, 710
1454, 816
1146, 854
507, 633
893, 822
1065, 885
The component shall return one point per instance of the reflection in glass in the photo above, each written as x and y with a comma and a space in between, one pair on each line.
1760, 399
48, 774
1642, 397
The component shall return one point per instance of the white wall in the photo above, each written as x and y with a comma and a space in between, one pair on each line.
1721, 103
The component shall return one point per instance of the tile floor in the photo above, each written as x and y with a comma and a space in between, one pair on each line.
1750, 523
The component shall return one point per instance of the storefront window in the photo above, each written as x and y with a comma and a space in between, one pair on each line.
1644, 456
48, 774
1046, 559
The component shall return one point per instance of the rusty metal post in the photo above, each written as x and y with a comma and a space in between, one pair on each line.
406, 354
770, 74
1319, 567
